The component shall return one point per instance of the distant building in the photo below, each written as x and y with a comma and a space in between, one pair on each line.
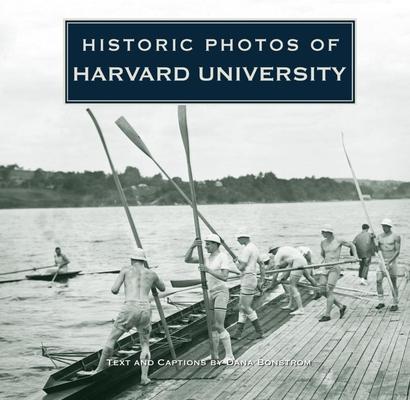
367, 197
218, 184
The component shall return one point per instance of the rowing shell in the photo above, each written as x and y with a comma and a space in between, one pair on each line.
188, 327
49, 277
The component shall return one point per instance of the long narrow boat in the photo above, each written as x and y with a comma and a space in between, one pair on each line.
188, 327
49, 277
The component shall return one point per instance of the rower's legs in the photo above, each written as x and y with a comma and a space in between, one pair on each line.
289, 298
145, 355
379, 284
332, 279
251, 313
221, 333
295, 292
322, 285
108, 350
396, 289
330, 299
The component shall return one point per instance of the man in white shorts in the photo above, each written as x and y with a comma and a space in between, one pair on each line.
217, 269
247, 263
389, 244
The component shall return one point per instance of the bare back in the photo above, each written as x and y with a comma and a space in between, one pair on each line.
138, 282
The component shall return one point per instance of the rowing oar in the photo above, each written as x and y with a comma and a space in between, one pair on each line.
14, 280
26, 270
353, 296
183, 127
369, 222
54, 278
192, 282
330, 264
112, 271
123, 124
135, 233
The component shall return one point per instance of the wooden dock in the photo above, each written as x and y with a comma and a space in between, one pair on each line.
365, 355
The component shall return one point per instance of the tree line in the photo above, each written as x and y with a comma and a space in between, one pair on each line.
96, 188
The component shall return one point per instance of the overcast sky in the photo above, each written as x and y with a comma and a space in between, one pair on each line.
37, 130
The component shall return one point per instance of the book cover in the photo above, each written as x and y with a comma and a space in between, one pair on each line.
271, 131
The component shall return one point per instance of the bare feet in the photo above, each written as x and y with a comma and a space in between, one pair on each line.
228, 360
297, 312
286, 308
145, 381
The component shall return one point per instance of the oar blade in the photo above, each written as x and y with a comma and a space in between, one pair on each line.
185, 282
183, 126
126, 127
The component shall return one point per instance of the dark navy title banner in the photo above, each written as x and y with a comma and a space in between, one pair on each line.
210, 61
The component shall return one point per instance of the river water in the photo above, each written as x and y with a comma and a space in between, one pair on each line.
78, 317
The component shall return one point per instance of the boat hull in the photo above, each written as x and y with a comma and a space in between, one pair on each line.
188, 327
49, 277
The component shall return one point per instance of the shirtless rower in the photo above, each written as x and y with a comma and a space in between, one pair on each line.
136, 311
389, 244
61, 262
307, 273
290, 257
217, 269
331, 248
247, 263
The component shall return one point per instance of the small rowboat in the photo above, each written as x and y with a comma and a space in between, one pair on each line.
61, 276
188, 327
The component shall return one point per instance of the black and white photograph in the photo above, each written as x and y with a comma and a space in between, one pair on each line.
246, 242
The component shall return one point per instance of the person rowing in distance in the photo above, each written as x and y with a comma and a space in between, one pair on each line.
331, 248
136, 311
389, 244
217, 269
61, 262
247, 263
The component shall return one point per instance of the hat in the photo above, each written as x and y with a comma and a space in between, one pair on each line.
327, 228
387, 221
265, 258
139, 255
212, 237
244, 235
272, 248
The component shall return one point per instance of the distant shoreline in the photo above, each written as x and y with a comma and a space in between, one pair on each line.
44, 199
21, 188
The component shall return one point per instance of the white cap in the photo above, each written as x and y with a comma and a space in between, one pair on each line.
387, 221
212, 237
139, 255
242, 234
327, 228
272, 248
265, 258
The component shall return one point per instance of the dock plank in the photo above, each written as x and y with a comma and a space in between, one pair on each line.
364, 356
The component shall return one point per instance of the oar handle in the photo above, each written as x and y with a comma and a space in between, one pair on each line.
312, 266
